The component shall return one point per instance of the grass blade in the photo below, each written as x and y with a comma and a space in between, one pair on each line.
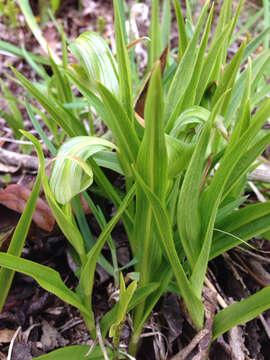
48, 278
61, 116
183, 76
194, 305
32, 23
155, 46
241, 312
18, 239
123, 62
15, 50
188, 215
242, 224
88, 270
182, 34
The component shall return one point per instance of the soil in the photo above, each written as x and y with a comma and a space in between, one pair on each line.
46, 322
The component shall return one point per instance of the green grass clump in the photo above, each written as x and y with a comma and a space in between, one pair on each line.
185, 145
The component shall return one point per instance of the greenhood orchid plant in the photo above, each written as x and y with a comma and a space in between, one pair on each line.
185, 157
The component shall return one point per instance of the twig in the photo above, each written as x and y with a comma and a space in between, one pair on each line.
101, 343
12, 343
194, 342
15, 141
257, 192
220, 300
93, 345
261, 173
265, 325
70, 325
19, 160
262, 259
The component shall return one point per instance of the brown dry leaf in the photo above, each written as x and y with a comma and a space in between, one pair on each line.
141, 98
8, 169
6, 335
51, 338
15, 196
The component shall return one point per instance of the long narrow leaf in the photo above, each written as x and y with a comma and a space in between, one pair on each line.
32, 23
88, 271
183, 38
123, 62
48, 278
241, 312
183, 75
192, 302
59, 115
188, 217
18, 239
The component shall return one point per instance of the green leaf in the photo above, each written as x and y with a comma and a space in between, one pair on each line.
122, 61
75, 352
191, 116
242, 120
207, 224
15, 50
88, 270
241, 167
188, 215
230, 161
212, 64
36, 67
164, 227
14, 119
258, 64
64, 91
140, 294
224, 19
166, 23
244, 27
183, 38
18, 239
154, 34
179, 155
229, 207
240, 226
254, 44
32, 23
61, 116
48, 278
152, 165
189, 98
121, 126
152, 159
126, 295
266, 23
108, 160
39, 129
183, 75
228, 79
241, 312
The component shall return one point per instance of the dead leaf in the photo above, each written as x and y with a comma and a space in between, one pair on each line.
141, 98
9, 169
6, 335
15, 196
173, 316
51, 338
21, 351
